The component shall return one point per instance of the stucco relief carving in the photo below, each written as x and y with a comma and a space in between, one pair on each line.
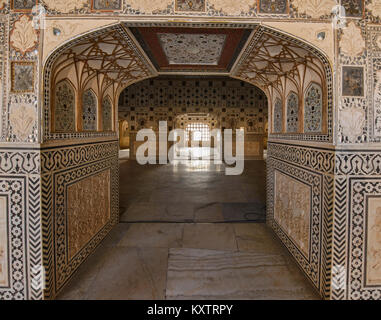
149, 6
352, 42
65, 6
22, 118
232, 7
375, 8
373, 263
292, 209
23, 36
352, 121
314, 8
3, 243
88, 210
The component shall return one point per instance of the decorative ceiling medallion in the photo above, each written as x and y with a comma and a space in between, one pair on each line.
352, 42
192, 49
314, 8
65, 6
175, 49
23, 36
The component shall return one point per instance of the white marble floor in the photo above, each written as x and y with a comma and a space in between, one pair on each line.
185, 233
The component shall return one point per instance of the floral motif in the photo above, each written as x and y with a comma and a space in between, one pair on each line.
375, 8
292, 113
273, 6
314, 8
64, 109
65, 6
232, 7
352, 42
23, 36
22, 119
107, 114
278, 116
89, 115
107, 4
148, 6
189, 5
313, 107
352, 122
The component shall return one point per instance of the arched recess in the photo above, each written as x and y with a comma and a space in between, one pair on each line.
107, 114
292, 106
313, 108
89, 111
64, 101
278, 116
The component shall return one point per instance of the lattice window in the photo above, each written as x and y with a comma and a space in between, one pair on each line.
292, 112
278, 116
89, 111
107, 114
64, 109
197, 132
313, 109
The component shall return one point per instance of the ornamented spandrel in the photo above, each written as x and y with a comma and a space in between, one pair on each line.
292, 209
64, 111
88, 210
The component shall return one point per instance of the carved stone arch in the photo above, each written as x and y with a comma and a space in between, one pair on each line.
89, 110
292, 114
64, 107
313, 108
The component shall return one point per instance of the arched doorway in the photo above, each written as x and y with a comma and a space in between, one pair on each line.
296, 78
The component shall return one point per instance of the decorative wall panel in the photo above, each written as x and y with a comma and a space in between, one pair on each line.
23, 4
89, 111
22, 77
353, 8
353, 81
191, 6
88, 174
107, 116
4, 262
273, 6
278, 116
313, 109
88, 210
64, 107
292, 113
292, 209
107, 5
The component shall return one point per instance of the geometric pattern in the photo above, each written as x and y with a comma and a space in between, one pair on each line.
89, 111
64, 107
278, 116
106, 114
60, 169
313, 108
292, 112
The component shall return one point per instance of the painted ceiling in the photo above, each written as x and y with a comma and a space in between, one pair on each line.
190, 49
